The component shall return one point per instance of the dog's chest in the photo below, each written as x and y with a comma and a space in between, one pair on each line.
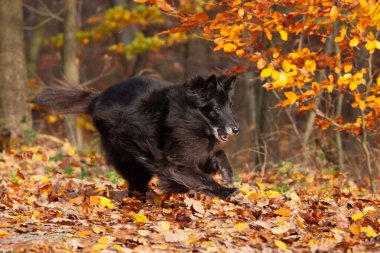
190, 152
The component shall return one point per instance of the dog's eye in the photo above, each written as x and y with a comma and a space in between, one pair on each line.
218, 108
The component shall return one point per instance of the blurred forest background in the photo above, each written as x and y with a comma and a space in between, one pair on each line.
98, 43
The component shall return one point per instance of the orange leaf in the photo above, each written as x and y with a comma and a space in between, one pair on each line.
163, 5
283, 212
268, 34
261, 63
83, 233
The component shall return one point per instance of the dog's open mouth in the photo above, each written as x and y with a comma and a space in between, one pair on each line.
222, 135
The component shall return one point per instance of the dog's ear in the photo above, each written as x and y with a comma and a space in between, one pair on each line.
229, 83
211, 82
202, 86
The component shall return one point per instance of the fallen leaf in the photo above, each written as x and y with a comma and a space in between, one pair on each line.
83, 233
357, 216
176, 237
242, 226
283, 212
4, 234
195, 204
368, 231
280, 244
139, 218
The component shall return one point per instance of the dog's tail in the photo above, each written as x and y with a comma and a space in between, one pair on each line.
64, 100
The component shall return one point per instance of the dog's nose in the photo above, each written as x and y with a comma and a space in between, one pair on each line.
235, 130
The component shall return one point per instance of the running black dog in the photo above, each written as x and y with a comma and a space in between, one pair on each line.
153, 128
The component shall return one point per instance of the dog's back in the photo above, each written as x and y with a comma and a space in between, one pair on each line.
127, 92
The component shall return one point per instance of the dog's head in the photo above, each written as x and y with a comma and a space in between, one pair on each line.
213, 97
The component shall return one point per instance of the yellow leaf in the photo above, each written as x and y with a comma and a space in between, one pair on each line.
347, 68
272, 194
362, 105
310, 66
215, 201
283, 212
117, 247
330, 87
357, 216
52, 118
340, 38
105, 202
106, 239
139, 218
97, 247
291, 98
372, 45
280, 79
353, 86
229, 48
240, 52
368, 231
266, 72
260, 185
354, 42
334, 13
280, 244
242, 226
283, 35
244, 191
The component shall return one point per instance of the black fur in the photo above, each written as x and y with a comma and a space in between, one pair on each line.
152, 128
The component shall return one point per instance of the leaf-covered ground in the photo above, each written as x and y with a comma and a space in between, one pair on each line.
55, 200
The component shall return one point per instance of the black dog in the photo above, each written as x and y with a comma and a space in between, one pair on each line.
152, 128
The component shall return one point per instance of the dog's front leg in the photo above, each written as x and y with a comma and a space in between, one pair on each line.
194, 179
224, 166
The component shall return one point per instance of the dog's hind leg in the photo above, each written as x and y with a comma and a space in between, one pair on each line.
193, 178
136, 176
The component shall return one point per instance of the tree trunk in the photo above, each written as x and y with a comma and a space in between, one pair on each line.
13, 75
70, 66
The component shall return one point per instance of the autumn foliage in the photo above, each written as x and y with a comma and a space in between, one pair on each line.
54, 198
308, 50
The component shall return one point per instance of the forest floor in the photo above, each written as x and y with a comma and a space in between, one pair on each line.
53, 199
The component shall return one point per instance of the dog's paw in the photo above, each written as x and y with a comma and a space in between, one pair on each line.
234, 191
229, 193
